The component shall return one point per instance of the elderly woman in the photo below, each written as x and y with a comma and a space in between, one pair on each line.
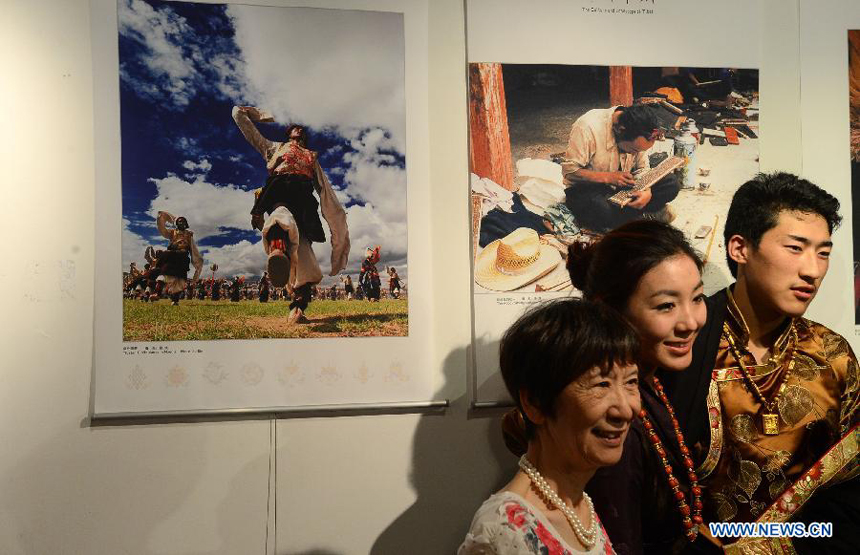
647, 272
569, 367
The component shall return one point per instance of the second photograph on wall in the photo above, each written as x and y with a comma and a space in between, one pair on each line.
560, 154
586, 114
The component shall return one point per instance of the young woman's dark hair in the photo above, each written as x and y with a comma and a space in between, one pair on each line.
757, 204
640, 120
555, 343
609, 270
303, 138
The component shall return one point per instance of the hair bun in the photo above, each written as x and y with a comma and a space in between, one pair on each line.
579, 255
514, 432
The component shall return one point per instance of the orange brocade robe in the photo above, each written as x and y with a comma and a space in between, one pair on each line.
748, 475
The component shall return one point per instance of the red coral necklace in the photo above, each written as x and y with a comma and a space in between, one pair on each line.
690, 529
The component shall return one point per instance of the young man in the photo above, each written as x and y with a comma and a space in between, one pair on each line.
770, 403
606, 152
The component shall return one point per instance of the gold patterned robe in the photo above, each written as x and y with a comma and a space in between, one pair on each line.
749, 476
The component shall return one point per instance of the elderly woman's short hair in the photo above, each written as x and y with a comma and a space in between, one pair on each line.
552, 345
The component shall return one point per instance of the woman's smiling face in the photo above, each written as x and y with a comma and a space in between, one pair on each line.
667, 308
592, 418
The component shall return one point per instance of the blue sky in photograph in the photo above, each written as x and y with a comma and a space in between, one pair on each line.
183, 66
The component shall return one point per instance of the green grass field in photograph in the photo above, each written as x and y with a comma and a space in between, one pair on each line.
208, 320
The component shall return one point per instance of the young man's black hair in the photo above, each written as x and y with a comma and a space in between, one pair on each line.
757, 204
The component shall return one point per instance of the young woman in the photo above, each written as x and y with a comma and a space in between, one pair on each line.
569, 366
648, 272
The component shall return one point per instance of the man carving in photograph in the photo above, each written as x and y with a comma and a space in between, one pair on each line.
605, 153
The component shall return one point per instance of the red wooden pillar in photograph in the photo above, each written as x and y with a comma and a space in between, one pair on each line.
489, 140
620, 85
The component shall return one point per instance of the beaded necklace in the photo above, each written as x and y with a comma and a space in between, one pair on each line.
690, 522
588, 538
770, 410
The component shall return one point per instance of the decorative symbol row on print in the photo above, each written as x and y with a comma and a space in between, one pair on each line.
137, 379
252, 374
395, 373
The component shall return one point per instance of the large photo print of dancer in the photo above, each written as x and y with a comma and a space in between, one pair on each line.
263, 172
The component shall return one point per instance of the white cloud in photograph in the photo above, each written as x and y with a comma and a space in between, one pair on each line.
240, 259
176, 62
209, 208
133, 246
341, 69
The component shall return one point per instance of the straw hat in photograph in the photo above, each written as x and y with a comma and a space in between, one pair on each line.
515, 260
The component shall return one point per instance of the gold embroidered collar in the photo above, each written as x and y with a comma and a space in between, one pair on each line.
737, 326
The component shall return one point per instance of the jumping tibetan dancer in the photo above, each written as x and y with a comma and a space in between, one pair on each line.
286, 211
181, 252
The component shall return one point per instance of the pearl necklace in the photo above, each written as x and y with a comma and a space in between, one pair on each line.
588, 538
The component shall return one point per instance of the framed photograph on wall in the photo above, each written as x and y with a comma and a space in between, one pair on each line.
829, 118
542, 110
257, 240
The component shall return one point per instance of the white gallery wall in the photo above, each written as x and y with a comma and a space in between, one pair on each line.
380, 484
359, 484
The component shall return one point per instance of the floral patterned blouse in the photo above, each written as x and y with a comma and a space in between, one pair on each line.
507, 524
